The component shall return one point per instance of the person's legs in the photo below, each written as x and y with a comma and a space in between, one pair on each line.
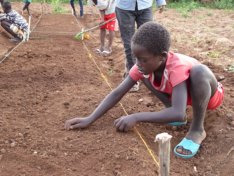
203, 85
81, 8
126, 20
73, 7
102, 38
144, 16
108, 50
26, 6
6, 25
110, 26
28, 9
111, 38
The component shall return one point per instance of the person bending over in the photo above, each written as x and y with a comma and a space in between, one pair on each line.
13, 22
176, 79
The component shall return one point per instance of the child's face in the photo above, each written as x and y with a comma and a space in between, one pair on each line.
147, 62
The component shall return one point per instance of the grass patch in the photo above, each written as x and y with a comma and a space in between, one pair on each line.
214, 54
222, 4
184, 7
230, 68
209, 14
110, 72
57, 6
51, 1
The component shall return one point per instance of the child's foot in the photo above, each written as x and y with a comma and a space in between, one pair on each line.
99, 50
107, 52
189, 146
136, 87
178, 123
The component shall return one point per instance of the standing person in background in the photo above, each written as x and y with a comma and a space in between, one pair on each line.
107, 11
74, 9
129, 12
26, 6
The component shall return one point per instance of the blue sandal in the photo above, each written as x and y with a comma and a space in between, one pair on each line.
178, 123
187, 144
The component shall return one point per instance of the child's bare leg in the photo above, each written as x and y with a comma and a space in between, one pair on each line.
26, 7
28, 11
111, 38
102, 39
203, 85
73, 7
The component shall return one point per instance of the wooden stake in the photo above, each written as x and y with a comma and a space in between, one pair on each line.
29, 26
164, 153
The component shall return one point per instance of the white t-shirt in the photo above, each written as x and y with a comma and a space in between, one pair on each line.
107, 5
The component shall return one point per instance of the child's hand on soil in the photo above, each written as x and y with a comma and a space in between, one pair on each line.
77, 123
125, 123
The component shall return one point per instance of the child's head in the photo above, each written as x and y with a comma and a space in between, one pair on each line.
6, 6
150, 45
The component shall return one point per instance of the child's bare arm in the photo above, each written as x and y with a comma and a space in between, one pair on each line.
102, 13
109, 101
174, 113
163, 97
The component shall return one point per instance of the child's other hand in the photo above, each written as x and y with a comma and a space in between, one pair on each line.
77, 123
125, 123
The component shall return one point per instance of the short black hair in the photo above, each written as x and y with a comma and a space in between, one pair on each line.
6, 6
152, 36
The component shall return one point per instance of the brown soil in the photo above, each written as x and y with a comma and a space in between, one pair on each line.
51, 79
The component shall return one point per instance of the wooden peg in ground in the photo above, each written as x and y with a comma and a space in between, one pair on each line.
164, 153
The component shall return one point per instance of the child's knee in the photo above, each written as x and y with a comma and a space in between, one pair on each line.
3, 24
197, 70
199, 73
